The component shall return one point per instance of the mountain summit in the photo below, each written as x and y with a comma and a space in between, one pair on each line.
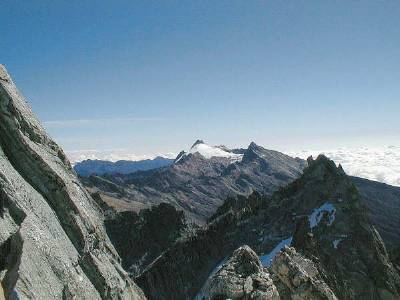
198, 142
208, 151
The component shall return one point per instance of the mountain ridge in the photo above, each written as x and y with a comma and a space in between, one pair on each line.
101, 167
315, 210
198, 184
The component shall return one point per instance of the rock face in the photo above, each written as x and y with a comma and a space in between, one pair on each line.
141, 238
242, 277
52, 239
383, 203
300, 276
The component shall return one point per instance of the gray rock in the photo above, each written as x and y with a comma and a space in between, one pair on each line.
300, 276
52, 239
242, 277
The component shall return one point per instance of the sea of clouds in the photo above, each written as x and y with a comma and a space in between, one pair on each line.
379, 163
110, 155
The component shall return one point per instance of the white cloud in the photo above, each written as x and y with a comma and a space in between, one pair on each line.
380, 163
110, 155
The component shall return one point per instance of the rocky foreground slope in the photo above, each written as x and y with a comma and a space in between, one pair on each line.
53, 243
321, 214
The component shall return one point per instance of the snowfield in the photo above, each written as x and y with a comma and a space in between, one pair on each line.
317, 214
208, 151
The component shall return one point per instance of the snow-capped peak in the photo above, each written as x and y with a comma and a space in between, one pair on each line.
208, 151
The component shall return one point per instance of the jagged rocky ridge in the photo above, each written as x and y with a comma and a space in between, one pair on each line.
53, 244
198, 184
321, 214
291, 277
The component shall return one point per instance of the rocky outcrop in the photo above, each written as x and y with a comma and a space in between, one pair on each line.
241, 277
341, 238
300, 276
52, 239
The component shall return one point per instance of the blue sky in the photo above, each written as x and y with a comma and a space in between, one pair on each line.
153, 76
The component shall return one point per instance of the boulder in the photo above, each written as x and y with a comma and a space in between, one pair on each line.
300, 276
241, 277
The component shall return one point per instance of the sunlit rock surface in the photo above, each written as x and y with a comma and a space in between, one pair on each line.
52, 240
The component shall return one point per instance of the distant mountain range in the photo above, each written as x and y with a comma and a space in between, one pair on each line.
200, 179
100, 167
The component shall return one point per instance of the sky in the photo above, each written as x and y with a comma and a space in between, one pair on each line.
151, 77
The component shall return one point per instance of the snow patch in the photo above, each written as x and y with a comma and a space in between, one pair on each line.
335, 243
267, 259
181, 157
317, 214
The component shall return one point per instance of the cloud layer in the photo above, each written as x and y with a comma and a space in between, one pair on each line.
380, 164
110, 155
